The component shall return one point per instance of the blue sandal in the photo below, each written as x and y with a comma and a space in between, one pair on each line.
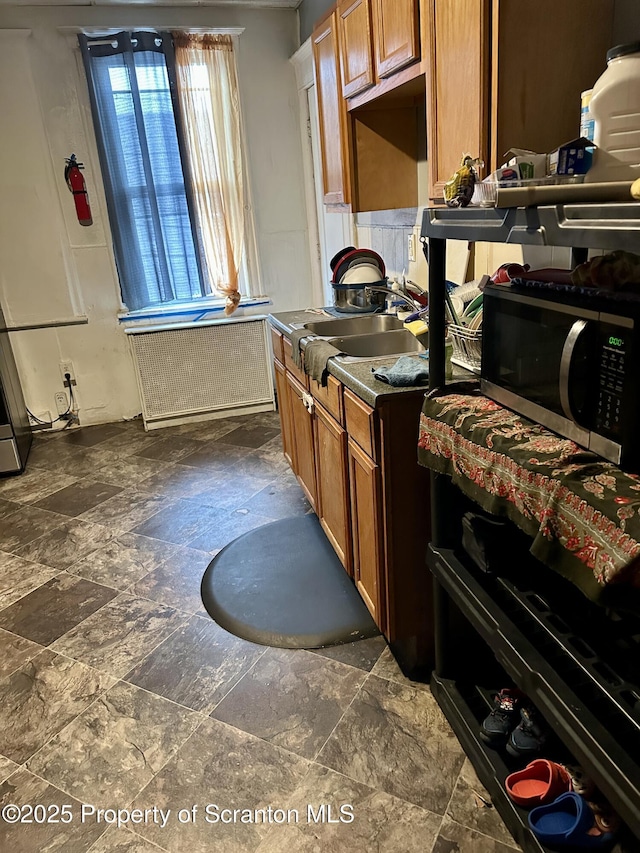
568, 822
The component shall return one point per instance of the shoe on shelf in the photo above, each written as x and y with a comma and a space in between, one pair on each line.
503, 718
528, 738
540, 782
568, 822
580, 782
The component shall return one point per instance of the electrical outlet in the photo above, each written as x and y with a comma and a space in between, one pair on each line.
67, 367
411, 247
62, 402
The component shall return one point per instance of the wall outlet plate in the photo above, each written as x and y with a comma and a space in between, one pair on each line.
67, 367
62, 402
411, 247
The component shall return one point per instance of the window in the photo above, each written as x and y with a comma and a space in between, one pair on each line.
177, 217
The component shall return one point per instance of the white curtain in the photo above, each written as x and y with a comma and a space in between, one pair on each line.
210, 109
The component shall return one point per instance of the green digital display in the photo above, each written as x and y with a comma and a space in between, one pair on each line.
616, 342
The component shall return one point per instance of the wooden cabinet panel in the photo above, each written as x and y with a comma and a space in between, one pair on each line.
458, 87
502, 74
276, 344
395, 27
537, 80
330, 395
284, 408
333, 485
332, 115
290, 364
360, 423
367, 526
302, 429
356, 54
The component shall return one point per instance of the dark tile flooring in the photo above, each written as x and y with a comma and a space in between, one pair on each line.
118, 691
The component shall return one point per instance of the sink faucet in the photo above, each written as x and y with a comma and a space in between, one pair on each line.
397, 294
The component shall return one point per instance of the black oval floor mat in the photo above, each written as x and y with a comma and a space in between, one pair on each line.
283, 585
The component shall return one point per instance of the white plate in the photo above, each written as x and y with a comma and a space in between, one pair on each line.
362, 274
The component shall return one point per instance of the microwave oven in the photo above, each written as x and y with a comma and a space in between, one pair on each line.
568, 359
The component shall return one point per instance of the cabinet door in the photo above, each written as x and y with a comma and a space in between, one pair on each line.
356, 53
458, 86
395, 27
333, 485
332, 115
302, 427
367, 524
284, 409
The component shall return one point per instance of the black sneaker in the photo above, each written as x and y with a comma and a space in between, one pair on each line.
502, 720
528, 738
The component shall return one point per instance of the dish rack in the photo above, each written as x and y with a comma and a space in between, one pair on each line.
467, 347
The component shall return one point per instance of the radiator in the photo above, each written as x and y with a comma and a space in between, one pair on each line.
195, 371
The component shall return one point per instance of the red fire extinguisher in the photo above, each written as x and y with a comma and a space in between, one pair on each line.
76, 184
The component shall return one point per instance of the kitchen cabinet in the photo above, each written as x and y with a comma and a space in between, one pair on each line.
507, 74
366, 512
335, 138
357, 465
299, 402
376, 40
369, 150
396, 35
284, 405
333, 504
356, 49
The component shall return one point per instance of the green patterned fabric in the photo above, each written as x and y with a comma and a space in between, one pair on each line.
582, 512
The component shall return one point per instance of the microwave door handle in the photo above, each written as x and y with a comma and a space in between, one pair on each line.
575, 332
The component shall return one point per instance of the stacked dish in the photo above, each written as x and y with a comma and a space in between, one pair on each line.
353, 269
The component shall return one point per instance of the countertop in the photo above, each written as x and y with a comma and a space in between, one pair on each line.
357, 376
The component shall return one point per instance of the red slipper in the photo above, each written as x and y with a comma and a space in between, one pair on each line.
540, 782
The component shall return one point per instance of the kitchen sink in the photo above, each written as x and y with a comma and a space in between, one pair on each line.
394, 342
355, 325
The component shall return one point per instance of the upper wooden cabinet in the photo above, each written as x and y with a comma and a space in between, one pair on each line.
332, 115
507, 74
396, 34
377, 38
356, 51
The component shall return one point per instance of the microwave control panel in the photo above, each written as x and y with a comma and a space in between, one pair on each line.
611, 379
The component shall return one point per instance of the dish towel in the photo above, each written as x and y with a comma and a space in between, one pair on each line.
296, 337
316, 355
406, 371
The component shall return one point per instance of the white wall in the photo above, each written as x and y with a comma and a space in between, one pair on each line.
51, 267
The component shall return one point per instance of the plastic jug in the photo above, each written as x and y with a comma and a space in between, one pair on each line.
615, 109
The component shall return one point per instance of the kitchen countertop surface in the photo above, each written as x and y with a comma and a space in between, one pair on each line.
357, 375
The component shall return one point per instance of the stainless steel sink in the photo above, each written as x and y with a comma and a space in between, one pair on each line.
354, 325
394, 342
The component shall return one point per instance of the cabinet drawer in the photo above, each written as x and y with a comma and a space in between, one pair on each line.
291, 366
360, 422
276, 344
330, 396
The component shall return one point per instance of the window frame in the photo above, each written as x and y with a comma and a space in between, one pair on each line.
85, 40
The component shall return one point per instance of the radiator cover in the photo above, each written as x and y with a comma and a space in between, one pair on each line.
190, 371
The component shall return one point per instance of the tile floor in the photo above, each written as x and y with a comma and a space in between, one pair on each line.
117, 691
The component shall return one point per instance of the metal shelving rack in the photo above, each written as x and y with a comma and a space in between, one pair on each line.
594, 710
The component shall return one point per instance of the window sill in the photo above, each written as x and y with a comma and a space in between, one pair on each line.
190, 312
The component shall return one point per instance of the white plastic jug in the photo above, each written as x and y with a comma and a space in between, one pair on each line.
615, 109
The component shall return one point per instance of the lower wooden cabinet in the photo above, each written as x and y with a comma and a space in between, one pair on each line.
284, 408
333, 503
358, 469
366, 514
298, 401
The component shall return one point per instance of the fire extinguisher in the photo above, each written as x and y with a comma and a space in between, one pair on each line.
77, 186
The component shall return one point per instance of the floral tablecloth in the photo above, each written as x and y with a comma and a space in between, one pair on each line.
582, 512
